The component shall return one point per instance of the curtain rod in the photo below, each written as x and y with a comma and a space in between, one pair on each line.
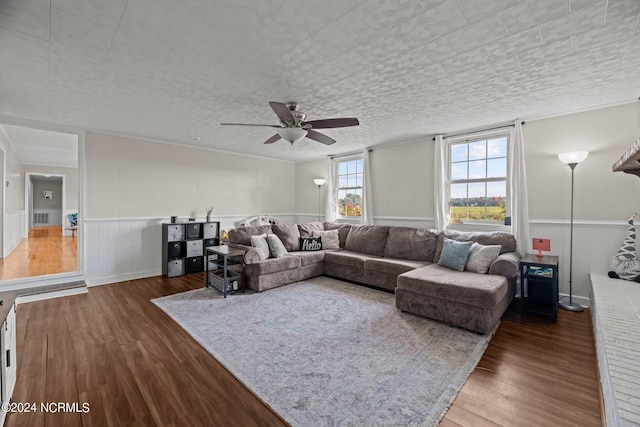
477, 131
337, 156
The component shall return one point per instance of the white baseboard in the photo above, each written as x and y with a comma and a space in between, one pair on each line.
50, 295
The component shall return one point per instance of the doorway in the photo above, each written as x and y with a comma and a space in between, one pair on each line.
42, 190
44, 201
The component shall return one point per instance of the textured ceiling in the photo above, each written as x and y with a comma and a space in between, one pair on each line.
169, 70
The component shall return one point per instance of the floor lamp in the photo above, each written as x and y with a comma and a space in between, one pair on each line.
572, 159
319, 182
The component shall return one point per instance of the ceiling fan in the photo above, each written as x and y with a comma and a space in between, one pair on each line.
293, 125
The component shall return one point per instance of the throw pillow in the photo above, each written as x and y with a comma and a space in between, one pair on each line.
276, 248
288, 234
261, 245
454, 254
481, 257
330, 238
310, 243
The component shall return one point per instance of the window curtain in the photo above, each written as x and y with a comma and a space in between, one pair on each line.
518, 200
441, 189
330, 191
367, 204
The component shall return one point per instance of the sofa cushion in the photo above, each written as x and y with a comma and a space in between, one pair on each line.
348, 258
242, 235
411, 243
502, 238
261, 246
330, 238
367, 239
276, 247
480, 290
307, 229
393, 266
288, 234
343, 230
272, 265
506, 265
307, 258
455, 254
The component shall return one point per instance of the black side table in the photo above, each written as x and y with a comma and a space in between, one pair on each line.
539, 277
224, 269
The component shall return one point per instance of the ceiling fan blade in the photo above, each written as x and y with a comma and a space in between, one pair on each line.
317, 136
283, 113
273, 139
332, 123
249, 124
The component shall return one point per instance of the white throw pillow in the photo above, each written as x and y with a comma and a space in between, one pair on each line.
262, 247
276, 247
330, 238
481, 257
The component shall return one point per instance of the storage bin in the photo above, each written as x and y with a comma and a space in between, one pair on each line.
175, 232
194, 248
195, 264
175, 267
194, 231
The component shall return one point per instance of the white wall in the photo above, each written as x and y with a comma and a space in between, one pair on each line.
70, 182
132, 185
600, 194
403, 187
14, 197
306, 202
604, 200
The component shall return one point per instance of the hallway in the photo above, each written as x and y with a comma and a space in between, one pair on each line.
45, 251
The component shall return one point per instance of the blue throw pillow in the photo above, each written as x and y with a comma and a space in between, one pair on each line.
454, 254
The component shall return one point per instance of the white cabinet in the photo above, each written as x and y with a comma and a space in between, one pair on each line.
8, 358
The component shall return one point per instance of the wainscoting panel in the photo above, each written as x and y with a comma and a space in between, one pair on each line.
13, 231
119, 249
594, 246
122, 249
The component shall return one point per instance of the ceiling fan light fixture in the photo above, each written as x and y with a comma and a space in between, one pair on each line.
292, 134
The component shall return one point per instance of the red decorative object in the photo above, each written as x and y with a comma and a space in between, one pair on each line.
541, 245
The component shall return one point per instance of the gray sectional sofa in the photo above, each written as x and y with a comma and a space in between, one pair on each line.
399, 259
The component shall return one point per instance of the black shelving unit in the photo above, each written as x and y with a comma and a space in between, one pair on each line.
183, 246
539, 285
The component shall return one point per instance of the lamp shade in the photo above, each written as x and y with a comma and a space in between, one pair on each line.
319, 181
573, 157
292, 134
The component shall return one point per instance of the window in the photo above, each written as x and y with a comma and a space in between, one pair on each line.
478, 175
349, 188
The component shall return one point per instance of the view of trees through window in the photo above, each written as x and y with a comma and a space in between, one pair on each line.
479, 180
349, 188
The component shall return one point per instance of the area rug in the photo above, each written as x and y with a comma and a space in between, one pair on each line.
322, 352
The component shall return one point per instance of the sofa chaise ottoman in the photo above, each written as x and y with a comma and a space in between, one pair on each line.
467, 299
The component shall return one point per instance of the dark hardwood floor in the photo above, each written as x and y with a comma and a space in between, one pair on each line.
115, 350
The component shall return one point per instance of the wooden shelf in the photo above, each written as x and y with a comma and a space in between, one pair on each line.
630, 160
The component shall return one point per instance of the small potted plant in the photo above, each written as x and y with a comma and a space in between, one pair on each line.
209, 210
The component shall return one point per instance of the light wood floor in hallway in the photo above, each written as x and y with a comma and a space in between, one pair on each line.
45, 251
114, 349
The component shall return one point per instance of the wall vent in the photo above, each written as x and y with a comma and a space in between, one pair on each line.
41, 218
